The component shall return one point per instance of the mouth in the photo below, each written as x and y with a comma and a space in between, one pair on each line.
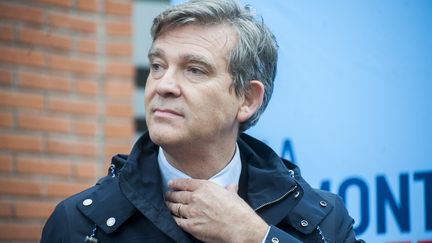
162, 112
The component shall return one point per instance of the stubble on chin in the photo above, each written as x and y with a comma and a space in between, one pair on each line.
161, 138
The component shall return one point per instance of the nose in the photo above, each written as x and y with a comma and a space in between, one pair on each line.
167, 85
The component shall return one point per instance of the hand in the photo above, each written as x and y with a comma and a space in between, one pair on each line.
212, 213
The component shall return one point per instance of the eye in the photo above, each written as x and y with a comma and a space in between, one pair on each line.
155, 66
196, 71
157, 70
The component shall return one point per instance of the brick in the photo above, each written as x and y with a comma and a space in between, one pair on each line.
33, 209
87, 128
6, 119
119, 69
20, 231
5, 209
119, 28
64, 189
12, 186
44, 123
6, 33
86, 170
72, 106
118, 7
72, 22
118, 110
70, 64
22, 100
5, 77
21, 13
22, 56
88, 46
119, 88
62, 3
44, 82
6, 163
21, 142
119, 130
88, 5
71, 148
119, 49
87, 87
44, 38
32, 165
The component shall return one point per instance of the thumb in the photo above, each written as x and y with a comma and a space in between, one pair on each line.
232, 188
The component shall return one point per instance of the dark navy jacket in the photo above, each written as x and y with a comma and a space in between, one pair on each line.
128, 205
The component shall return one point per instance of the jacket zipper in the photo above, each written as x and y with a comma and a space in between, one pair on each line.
278, 199
291, 172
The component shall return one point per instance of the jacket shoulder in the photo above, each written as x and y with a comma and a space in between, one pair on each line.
338, 225
339, 211
329, 196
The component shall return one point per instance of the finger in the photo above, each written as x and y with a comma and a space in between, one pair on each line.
172, 207
232, 188
178, 196
188, 226
181, 222
176, 209
185, 184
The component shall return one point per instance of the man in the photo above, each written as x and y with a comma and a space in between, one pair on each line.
212, 67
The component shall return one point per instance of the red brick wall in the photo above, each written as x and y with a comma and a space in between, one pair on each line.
66, 85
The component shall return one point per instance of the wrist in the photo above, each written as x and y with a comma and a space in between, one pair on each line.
252, 231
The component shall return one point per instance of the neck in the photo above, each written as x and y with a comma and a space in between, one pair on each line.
200, 162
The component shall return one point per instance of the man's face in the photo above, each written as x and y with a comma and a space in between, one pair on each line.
189, 99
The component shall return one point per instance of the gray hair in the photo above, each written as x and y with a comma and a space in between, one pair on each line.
254, 56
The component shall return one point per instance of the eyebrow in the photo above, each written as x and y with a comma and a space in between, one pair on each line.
198, 59
155, 52
186, 58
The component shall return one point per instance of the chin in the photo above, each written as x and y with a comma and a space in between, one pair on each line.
161, 137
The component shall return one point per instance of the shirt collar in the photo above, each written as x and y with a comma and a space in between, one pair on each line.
230, 174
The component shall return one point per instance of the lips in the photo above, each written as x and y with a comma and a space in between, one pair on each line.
166, 112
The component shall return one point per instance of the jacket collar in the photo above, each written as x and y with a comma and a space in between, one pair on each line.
277, 191
105, 201
269, 179
137, 186
273, 188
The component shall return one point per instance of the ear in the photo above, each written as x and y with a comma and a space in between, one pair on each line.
253, 99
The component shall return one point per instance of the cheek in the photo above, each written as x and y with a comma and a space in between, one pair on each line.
147, 101
224, 109
146, 97
148, 91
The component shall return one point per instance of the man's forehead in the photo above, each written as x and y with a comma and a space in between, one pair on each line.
200, 41
224, 26
220, 35
159, 52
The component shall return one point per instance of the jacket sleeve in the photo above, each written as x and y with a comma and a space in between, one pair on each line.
55, 227
346, 230
337, 227
276, 235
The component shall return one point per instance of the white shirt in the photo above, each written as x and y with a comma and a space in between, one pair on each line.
230, 174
